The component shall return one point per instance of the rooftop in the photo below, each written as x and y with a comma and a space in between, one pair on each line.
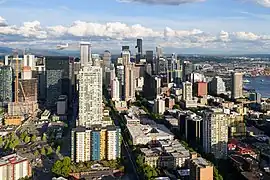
201, 162
11, 159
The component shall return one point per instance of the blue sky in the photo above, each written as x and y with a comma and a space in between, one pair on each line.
198, 26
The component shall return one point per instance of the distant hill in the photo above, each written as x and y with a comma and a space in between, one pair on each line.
5, 50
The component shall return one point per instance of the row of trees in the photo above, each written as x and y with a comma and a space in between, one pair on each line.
9, 142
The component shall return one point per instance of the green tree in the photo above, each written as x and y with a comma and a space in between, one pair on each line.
62, 168
33, 138
58, 149
27, 139
36, 153
22, 135
43, 151
56, 169
49, 150
66, 161
44, 137
1, 141
176, 106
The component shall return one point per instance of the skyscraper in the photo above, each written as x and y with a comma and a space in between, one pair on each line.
86, 55
115, 92
149, 56
6, 80
217, 85
187, 69
187, 91
58, 80
126, 57
237, 85
90, 96
140, 50
129, 90
125, 48
159, 52
120, 74
107, 59
215, 132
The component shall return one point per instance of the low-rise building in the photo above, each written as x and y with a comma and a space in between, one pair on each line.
168, 154
150, 133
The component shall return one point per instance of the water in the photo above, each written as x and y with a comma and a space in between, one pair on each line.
261, 84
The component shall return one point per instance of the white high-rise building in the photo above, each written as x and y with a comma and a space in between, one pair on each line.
29, 60
90, 96
85, 49
237, 85
111, 146
187, 91
217, 85
125, 57
81, 143
215, 132
115, 92
159, 106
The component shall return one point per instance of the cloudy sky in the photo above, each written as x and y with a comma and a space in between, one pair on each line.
184, 26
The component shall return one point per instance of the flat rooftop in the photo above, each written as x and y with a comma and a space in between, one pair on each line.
11, 159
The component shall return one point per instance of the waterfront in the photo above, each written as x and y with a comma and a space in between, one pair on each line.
261, 84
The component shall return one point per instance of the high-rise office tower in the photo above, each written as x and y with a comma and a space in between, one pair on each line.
126, 57
149, 56
215, 132
58, 80
40, 74
129, 77
120, 74
159, 52
187, 69
90, 96
125, 48
6, 80
86, 54
217, 85
115, 90
150, 59
140, 50
237, 85
187, 91
107, 59
129, 90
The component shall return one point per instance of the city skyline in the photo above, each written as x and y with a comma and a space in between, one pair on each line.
182, 26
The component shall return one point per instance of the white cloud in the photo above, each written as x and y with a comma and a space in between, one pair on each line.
2, 21
265, 3
167, 2
246, 36
114, 34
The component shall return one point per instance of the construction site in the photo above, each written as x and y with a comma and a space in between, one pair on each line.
25, 95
